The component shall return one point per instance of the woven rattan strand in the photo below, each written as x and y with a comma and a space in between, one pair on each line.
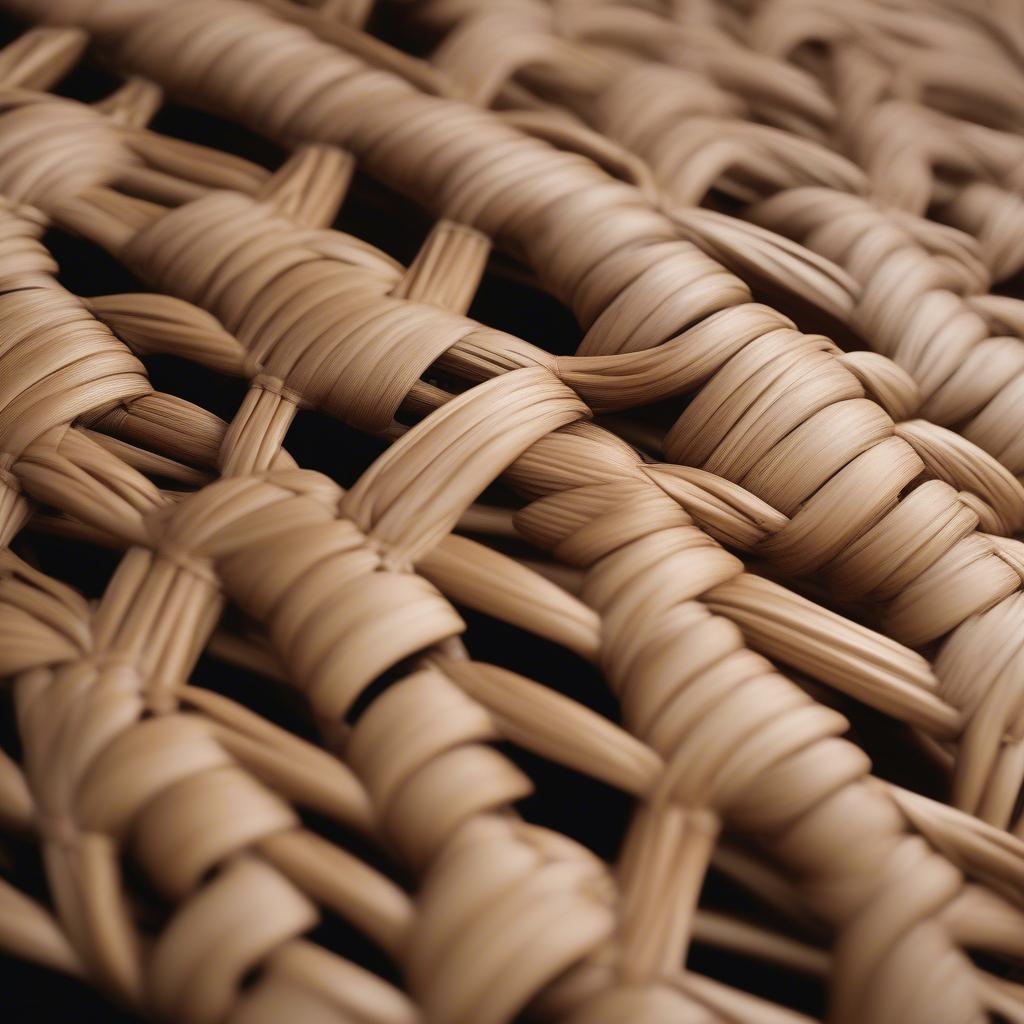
774, 489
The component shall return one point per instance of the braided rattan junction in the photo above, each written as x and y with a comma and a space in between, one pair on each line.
740, 525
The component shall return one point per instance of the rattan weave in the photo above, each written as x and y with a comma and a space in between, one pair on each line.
749, 531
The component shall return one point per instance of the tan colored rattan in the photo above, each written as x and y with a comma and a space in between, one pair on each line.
819, 462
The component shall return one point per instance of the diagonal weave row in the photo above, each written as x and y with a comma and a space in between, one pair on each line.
791, 449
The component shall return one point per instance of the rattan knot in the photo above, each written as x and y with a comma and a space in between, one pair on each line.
58, 829
24, 212
276, 386
62, 148
389, 559
187, 561
7, 478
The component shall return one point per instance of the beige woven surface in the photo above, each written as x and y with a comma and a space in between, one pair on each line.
743, 526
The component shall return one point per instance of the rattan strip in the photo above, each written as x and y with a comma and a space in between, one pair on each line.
649, 574
848, 165
855, 517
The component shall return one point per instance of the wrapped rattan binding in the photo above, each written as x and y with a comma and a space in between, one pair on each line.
807, 460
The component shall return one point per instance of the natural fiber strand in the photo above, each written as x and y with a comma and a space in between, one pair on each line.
809, 462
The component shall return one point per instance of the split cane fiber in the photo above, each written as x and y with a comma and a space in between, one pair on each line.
774, 489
